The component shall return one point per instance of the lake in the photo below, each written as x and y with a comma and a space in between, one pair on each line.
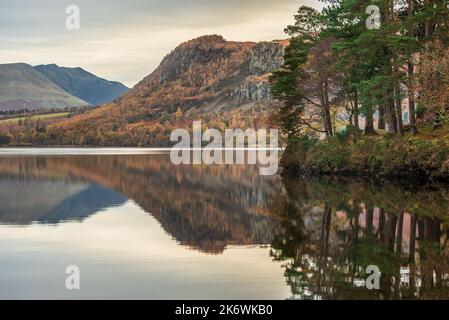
139, 227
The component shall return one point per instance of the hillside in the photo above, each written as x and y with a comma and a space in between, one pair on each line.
207, 75
82, 84
222, 82
22, 87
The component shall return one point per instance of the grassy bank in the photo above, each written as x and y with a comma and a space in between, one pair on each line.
423, 157
46, 116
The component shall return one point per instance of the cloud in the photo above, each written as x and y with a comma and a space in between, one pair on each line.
126, 40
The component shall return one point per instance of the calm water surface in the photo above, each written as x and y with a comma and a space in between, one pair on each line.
141, 228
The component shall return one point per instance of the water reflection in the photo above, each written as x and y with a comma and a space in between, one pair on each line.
334, 228
320, 233
204, 207
52, 202
138, 227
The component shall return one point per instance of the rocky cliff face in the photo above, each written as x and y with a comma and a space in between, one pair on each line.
266, 57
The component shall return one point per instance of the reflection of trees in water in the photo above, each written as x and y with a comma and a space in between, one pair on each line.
333, 229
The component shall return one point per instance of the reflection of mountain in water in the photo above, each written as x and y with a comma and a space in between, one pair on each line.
206, 208
325, 231
85, 203
52, 201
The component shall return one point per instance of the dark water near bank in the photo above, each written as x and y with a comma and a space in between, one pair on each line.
139, 227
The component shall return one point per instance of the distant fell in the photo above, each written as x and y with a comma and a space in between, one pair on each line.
23, 87
83, 84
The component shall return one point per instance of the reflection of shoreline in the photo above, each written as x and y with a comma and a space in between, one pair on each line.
335, 228
206, 208
77, 151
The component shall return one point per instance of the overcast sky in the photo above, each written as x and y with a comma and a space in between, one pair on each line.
126, 40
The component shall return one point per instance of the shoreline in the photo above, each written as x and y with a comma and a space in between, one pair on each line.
411, 158
411, 180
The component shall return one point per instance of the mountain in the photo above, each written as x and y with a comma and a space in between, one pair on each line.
219, 81
22, 87
208, 75
82, 84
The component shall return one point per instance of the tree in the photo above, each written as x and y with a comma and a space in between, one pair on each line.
429, 20
434, 81
4, 139
322, 79
284, 86
306, 80
411, 70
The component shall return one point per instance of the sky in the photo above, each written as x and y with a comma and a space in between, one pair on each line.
126, 40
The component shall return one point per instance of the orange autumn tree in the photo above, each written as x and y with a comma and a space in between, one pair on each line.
433, 79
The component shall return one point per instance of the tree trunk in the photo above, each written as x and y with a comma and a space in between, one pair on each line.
399, 234
412, 239
398, 103
428, 22
356, 110
392, 223
369, 220
326, 110
381, 120
411, 100
411, 71
381, 224
369, 123
395, 117
391, 115
326, 129
411, 254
